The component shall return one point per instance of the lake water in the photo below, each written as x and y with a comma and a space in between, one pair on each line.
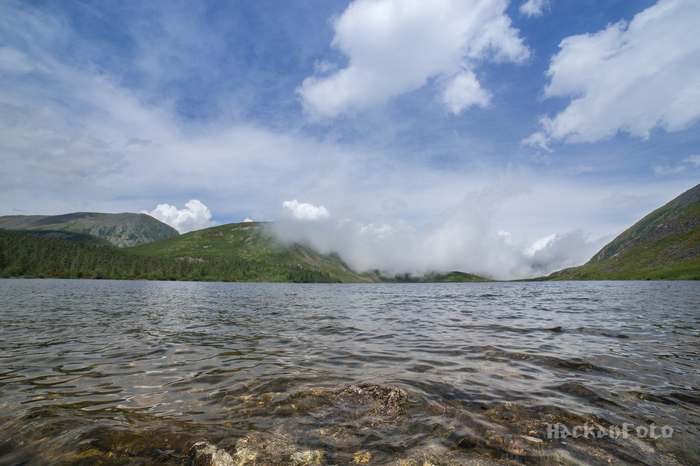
115, 372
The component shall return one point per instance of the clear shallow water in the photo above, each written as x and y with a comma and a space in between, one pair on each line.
136, 372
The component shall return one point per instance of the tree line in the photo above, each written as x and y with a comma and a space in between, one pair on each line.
37, 255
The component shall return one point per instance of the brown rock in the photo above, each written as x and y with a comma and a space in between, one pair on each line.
206, 454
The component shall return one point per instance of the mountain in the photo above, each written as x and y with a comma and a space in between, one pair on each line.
663, 245
252, 242
51, 254
243, 252
125, 229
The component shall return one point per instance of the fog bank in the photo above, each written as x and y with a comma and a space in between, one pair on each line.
463, 238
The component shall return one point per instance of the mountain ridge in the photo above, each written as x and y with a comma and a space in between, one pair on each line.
121, 229
251, 241
665, 244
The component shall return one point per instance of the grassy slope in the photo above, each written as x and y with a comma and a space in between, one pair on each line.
248, 241
125, 229
664, 245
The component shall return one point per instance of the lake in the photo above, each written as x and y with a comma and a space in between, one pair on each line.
136, 372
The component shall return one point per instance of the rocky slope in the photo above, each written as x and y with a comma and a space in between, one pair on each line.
125, 229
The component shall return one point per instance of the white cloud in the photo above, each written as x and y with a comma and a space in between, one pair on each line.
378, 229
533, 7
632, 77
556, 252
465, 91
395, 46
688, 163
194, 216
539, 245
304, 211
539, 140
693, 159
667, 170
461, 239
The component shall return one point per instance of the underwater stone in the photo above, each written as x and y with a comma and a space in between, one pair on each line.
391, 400
206, 454
264, 449
307, 457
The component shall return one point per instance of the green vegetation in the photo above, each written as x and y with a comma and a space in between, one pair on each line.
250, 241
664, 245
122, 230
245, 252
33, 255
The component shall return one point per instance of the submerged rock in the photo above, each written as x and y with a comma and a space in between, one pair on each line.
263, 448
206, 454
308, 457
387, 400
340, 421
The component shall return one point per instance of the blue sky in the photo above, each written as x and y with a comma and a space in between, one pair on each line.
504, 138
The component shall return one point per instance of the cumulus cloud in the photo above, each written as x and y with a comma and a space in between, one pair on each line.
461, 239
465, 91
632, 77
305, 212
395, 46
533, 7
194, 216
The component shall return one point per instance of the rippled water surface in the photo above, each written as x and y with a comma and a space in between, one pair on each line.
114, 372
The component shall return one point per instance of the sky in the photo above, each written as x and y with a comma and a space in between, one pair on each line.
509, 139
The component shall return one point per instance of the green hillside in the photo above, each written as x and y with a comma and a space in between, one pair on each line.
125, 229
235, 252
39, 254
664, 245
250, 241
